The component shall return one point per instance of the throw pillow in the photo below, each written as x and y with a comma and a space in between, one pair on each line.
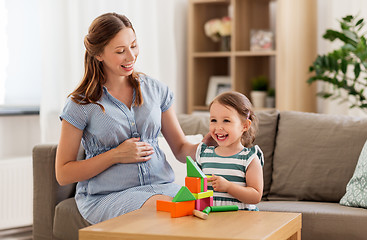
315, 155
356, 195
178, 167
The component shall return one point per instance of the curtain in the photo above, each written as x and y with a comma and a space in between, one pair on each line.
329, 12
160, 26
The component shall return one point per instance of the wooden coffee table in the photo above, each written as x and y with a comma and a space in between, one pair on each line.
150, 224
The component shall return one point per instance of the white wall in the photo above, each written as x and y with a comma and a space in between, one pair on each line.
18, 135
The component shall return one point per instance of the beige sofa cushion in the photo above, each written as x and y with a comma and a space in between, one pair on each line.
315, 155
265, 138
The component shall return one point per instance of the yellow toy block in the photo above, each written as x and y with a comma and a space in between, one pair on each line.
201, 195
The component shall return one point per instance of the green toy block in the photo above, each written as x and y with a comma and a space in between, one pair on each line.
207, 210
183, 195
193, 169
224, 208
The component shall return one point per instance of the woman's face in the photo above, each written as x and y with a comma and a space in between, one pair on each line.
120, 54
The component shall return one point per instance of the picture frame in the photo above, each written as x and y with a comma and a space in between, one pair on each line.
261, 40
217, 85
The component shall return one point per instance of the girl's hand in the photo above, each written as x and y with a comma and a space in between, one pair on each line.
220, 184
209, 141
132, 151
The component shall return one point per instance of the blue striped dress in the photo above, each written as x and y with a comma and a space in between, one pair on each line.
233, 168
122, 188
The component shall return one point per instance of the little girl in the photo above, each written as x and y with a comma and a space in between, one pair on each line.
235, 164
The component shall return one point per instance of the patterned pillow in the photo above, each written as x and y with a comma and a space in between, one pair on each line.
356, 195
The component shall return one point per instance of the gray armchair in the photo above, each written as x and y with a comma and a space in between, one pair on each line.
55, 215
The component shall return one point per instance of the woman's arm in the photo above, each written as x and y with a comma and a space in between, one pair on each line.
175, 137
68, 170
252, 193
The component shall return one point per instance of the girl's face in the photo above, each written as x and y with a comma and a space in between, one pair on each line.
120, 54
226, 126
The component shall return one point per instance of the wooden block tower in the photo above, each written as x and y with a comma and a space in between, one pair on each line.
194, 195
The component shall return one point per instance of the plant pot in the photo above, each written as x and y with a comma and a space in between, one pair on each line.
270, 102
258, 99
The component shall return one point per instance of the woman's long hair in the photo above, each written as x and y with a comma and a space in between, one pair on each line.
101, 31
243, 106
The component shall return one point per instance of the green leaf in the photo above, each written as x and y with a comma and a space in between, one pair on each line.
331, 35
344, 65
348, 18
357, 70
359, 22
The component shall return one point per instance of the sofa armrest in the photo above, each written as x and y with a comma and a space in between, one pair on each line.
47, 193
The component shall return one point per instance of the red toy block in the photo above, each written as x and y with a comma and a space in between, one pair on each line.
201, 204
193, 184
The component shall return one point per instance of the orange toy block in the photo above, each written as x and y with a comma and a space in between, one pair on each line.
177, 209
181, 209
193, 184
164, 206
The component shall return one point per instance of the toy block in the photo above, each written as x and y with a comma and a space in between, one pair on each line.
180, 209
193, 169
164, 206
177, 209
224, 208
200, 214
207, 210
204, 184
201, 204
201, 195
194, 184
183, 195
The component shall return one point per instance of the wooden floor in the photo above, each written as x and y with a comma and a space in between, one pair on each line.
23, 233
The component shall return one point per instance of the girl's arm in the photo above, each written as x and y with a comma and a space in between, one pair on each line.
252, 193
68, 170
175, 137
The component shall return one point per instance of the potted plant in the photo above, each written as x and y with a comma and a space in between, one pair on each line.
270, 98
344, 68
259, 88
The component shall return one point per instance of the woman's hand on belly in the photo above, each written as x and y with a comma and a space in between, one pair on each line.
133, 151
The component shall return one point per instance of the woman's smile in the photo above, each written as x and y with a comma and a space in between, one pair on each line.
129, 67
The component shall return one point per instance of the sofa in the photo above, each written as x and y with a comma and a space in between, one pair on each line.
309, 160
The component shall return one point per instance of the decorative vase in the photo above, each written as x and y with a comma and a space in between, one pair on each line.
225, 43
270, 102
258, 99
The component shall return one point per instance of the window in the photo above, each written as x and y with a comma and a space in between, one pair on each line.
20, 66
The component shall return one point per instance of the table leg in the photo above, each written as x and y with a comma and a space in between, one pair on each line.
296, 236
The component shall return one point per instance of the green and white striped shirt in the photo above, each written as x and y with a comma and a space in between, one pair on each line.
233, 168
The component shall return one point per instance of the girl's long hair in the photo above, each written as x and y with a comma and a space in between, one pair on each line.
100, 33
243, 106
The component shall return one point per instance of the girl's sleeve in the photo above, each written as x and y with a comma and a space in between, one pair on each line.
260, 155
198, 151
74, 114
254, 152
